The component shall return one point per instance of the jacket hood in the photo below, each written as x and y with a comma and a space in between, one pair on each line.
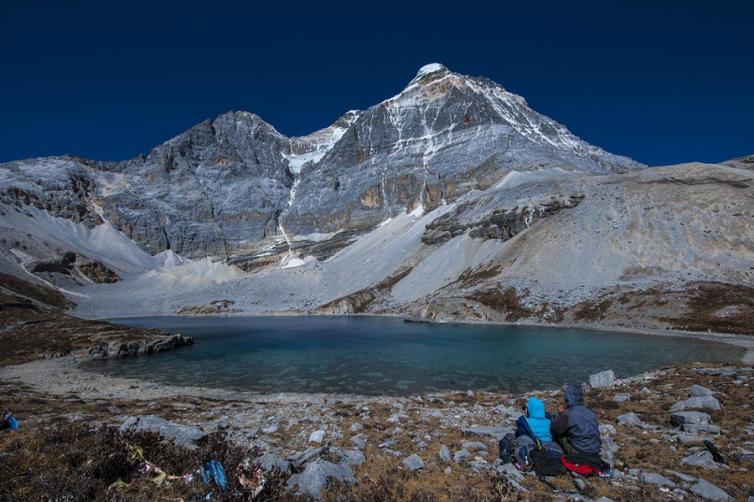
536, 408
574, 395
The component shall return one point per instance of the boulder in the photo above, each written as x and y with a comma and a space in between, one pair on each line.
703, 402
444, 454
621, 398
355, 427
185, 435
413, 463
701, 459
603, 379
708, 491
316, 476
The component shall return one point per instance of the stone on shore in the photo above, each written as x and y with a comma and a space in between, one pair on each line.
185, 435
603, 379
413, 462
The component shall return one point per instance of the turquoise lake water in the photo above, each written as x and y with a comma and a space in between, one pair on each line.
375, 355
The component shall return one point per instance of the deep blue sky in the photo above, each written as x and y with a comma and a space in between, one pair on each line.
660, 81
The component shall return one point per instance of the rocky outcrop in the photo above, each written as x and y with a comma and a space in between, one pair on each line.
155, 345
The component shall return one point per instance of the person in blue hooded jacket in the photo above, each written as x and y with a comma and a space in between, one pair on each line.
535, 423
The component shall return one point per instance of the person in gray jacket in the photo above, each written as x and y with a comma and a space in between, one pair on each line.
576, 428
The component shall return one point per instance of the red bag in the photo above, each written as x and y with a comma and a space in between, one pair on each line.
583, 469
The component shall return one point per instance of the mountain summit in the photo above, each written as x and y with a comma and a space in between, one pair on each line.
233, 185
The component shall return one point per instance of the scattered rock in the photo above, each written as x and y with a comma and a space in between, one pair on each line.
473, 445
629, 418
352, 458
704, 402
445, 455
360, 441
316, 475
185, 435
270, 462
699, 391
708, 491
413, 463
317, 436
509, 471
602, 379
621, 398
461, 455
306, 455
686, 478
653, 478
689, 417
607, 430
580, 484
355, 427
492, 431
701, 459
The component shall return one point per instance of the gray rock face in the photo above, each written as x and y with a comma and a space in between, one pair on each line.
185, 435
413, 463
708, 491
316, 476
235, 186
602, 379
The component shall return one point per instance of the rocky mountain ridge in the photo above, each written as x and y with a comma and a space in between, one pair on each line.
235, 186
452, 200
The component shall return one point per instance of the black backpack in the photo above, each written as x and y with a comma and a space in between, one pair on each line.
545, 465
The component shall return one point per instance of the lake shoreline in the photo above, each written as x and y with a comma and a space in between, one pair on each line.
739, 340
